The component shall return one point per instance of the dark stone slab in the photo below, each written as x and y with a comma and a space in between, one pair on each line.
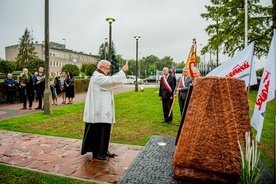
154, 165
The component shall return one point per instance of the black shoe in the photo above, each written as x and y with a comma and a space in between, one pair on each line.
164, 121
100, 157
109, 154
37, 108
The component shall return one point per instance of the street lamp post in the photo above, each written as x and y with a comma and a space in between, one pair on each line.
139, 64
64, 50
110, 20
47, 92
136, 83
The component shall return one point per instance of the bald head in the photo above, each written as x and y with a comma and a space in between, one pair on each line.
196, 72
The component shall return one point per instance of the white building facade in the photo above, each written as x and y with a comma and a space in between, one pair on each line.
58, 55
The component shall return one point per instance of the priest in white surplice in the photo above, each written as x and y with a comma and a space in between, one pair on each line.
99, 110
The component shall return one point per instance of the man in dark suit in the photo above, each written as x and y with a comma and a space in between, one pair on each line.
182, 86
167, 85
40, 87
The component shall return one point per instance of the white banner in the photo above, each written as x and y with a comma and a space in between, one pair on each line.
239, 66
266, 90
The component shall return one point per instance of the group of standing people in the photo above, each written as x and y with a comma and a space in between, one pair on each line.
168, 89
29, 85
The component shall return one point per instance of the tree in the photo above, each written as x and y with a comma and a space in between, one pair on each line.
259, 72
228, 30
121, 60
7, 66
131, 67
71, 68
84, 66
114, 68
114, 61
148, 64
90, 69
274, 14
26, 49
164, 62
103, 53
34, 64
179, 65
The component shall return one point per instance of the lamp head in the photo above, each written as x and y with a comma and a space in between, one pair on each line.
137, 37
110, 20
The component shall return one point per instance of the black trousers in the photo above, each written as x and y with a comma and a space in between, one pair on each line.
181, 105
10, 96
96, 138
167, 103
26, 94
39, 98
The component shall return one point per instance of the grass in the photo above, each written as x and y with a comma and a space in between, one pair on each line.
12, 175
266, 144
138, 117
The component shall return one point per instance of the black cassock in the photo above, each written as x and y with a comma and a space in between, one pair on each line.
96, 138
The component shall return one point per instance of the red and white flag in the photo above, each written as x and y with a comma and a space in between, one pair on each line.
240, 66
266, 90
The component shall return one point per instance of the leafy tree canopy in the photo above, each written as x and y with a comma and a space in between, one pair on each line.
228, 29
103, 54
90, 69
259, 72
84, 66
7, 66
131, 67
167, 61
34, 64
26, 49
71, 68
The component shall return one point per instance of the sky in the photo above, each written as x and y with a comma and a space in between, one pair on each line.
166, 27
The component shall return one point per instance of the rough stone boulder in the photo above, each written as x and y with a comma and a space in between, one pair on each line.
216, 118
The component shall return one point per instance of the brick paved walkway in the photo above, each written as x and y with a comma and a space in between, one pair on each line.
61, 156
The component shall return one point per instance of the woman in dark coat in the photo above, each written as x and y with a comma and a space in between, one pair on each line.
69, 82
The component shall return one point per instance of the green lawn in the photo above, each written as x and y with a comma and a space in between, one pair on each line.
138, 117
13, 175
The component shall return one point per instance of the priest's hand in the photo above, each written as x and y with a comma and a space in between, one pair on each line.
125, 68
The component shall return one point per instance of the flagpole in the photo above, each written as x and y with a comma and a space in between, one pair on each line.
275, 116
246, 41
249, 79
245, 23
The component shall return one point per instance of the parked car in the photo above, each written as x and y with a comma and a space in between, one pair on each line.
150, 79
131, 79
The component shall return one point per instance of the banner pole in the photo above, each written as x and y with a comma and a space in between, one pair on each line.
250, 71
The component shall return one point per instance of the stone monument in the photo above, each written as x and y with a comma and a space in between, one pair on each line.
216, 118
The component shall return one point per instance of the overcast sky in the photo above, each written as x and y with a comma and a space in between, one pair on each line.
166, 27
